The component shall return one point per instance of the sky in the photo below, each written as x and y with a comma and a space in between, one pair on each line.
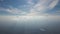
27, 10
29, 7
24, 10
30, 14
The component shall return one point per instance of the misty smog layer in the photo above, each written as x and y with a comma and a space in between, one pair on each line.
30, 25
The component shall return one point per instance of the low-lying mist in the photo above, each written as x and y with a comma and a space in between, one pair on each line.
29, 24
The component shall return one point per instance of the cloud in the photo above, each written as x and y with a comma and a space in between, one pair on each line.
42, 6
13, 10
30, 2
39, 8
53, 4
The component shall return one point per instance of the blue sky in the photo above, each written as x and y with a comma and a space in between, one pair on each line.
29, 7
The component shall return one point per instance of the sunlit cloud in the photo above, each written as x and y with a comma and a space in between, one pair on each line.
53, 4
42, 6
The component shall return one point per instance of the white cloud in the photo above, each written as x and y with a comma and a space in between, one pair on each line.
13, 10
53, 4
30, 2
42, 6
34, 9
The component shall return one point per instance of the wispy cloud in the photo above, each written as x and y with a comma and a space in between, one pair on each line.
39, 8
13, 11
42, 6
30, 2
53, 4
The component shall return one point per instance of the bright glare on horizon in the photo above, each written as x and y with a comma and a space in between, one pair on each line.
28, 17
